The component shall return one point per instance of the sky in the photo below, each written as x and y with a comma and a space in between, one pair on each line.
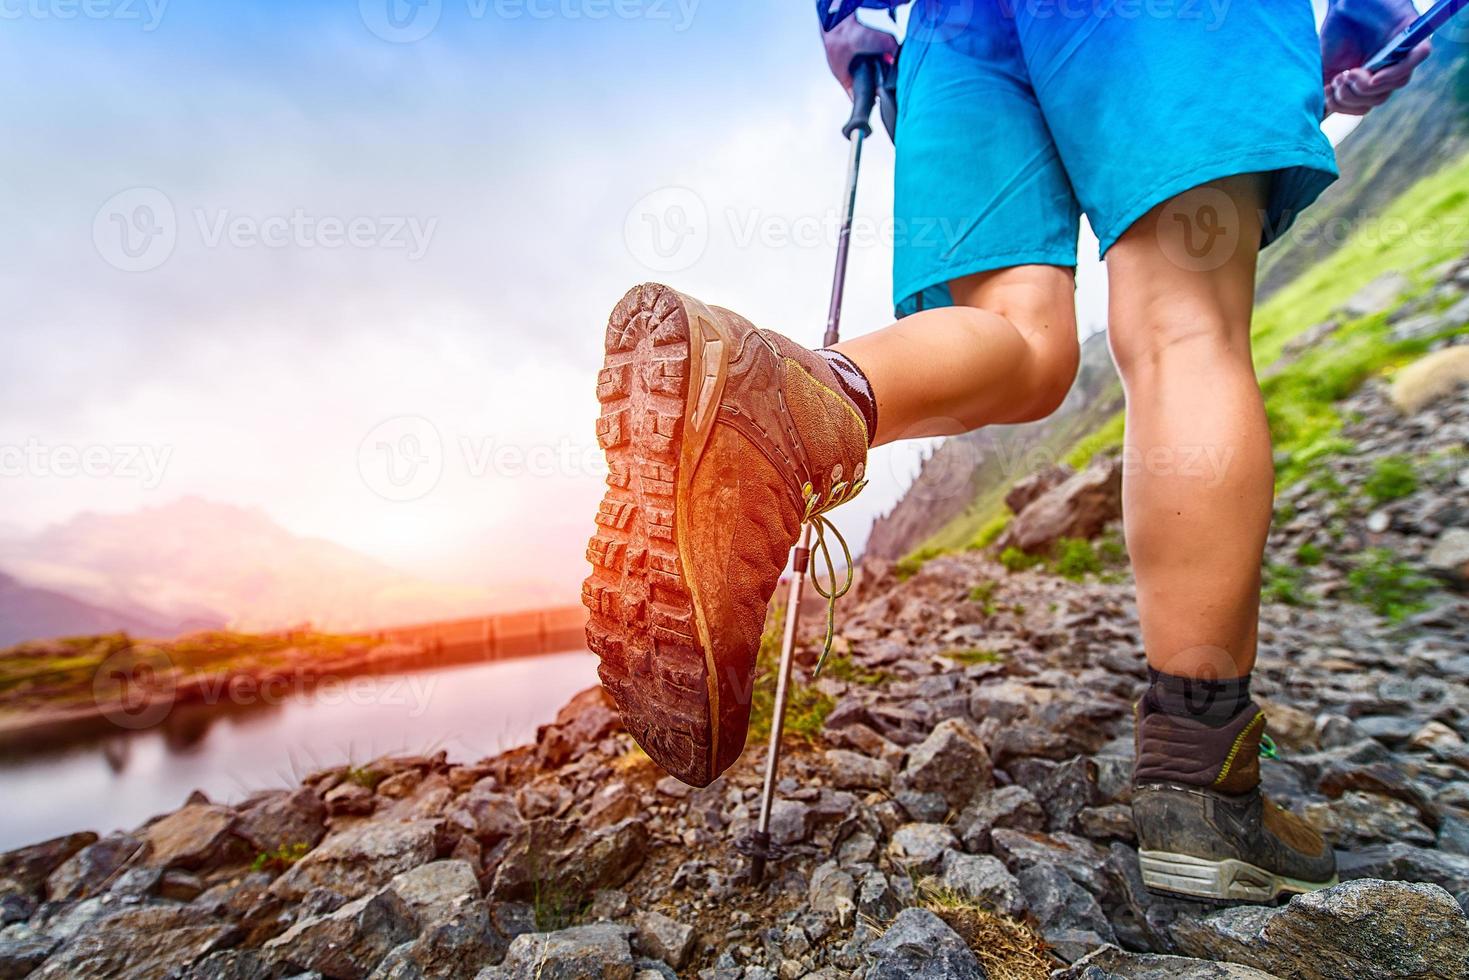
349, 261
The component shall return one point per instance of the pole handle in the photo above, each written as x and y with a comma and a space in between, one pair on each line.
866, 74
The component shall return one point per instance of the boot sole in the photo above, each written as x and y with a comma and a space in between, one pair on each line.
1227, 880
665, 366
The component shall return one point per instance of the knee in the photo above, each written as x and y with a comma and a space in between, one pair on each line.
1055, 364
1147, 343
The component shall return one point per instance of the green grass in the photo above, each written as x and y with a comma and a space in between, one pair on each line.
1075, 559
984, 594
909, 565
806, 706
1107, 436
1309, 554
1430, 211
840, 666
1389, 587
1284, 584
1392, 478
1016, 560
990, 530
281, 858
972, 656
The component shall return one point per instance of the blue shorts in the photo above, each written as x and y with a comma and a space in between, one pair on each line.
1018, 116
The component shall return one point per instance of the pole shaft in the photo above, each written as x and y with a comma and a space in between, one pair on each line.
844, 242
783, 683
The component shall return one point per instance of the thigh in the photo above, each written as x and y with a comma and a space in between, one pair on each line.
1146, 101
1186, 269
979, 183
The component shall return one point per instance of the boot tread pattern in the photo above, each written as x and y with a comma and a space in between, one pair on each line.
641, 623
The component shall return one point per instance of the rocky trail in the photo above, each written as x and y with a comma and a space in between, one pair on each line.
954, 802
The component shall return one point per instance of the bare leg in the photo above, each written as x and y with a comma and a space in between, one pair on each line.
1007, 352
1198, 477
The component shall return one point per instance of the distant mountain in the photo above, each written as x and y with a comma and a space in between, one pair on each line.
961, 483
28, 613
196, 561
1422, 128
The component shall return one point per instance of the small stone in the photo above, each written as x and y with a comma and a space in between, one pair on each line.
665, 939
919, 848
982, 879
790, 821
876, 898
832, 891
597, 950
921, 946
1013, 807
1070, 919
951, 761
349, 942
852, 771
610, 903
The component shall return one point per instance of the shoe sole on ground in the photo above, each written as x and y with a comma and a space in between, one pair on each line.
1228, 880
666, 362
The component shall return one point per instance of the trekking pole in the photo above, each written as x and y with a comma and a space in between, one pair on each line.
866, 72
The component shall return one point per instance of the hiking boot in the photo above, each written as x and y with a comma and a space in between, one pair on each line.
721, 441
1203, 828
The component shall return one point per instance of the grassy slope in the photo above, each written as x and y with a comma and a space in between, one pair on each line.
1426, 226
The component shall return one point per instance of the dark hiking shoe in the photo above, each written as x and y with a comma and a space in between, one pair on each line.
721, 441
1203, 828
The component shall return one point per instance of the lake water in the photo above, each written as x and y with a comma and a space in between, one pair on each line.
120, 781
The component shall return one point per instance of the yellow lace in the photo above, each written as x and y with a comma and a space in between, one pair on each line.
815, 515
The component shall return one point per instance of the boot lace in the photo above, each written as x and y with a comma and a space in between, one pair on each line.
821, 526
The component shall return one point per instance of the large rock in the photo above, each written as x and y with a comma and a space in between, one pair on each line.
1025, 491
586, 719
1070, 919
437, 890
593, 952
19, 956
921, 946
549, 853
1111, 963
951, 761
282, 819
1077, 508
487, 815
26, 869
1405, 862
348, 943
1365, 929
455, 947
361, 860
1076, 857
145, 942
196, 836
87, 871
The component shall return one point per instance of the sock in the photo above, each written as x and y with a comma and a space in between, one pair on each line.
1213, 702
856, 387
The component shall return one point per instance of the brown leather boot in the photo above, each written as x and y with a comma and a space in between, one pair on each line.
1203, 828
720, 439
